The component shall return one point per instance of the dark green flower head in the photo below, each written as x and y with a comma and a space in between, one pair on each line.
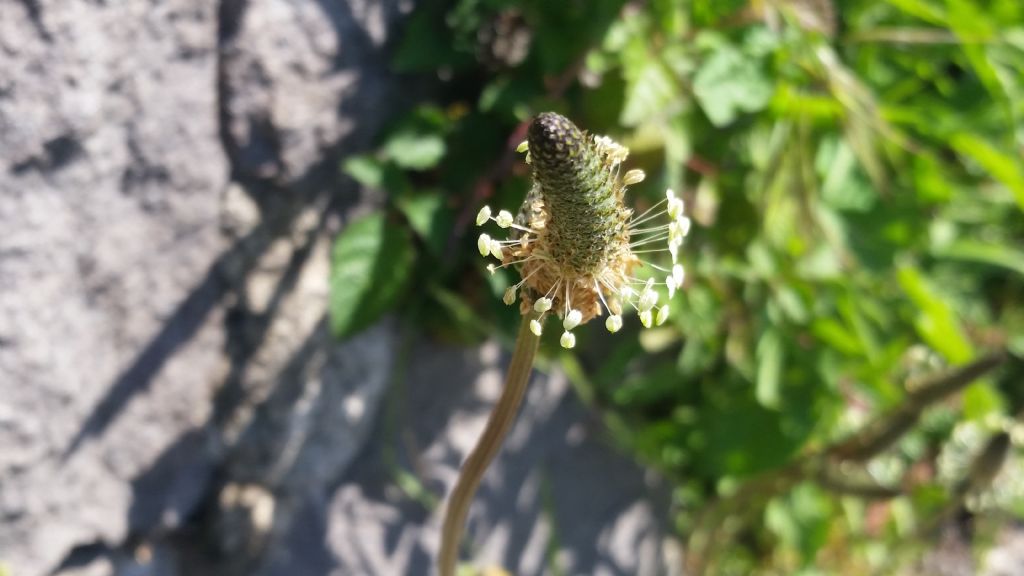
578, 178
575, 243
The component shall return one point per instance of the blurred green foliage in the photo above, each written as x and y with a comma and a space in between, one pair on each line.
854, 170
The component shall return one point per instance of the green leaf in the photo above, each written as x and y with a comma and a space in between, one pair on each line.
729, 83
980, 252
429, 217
971, 24
936, 322
770, 356
415, 151
427, 42
837, 336
801, 519
922, 9
843, 187
1002, 167
742, 437
371, 265
648, 94
365, 169
981, 399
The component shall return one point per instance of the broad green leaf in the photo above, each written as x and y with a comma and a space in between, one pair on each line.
366, 170
371, 263
728, 84
429, 217
415, 151
843, 188
648, 94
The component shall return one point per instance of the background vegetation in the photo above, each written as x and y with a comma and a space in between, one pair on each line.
841, 378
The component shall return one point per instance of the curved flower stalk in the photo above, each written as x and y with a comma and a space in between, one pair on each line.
578, 250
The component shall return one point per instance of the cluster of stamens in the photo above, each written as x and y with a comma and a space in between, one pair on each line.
564, 270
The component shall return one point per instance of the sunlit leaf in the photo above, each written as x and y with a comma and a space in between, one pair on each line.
415, 151
770, 356
429, 217
936, 321
1002, 167
371, 264
728, 84
991, 254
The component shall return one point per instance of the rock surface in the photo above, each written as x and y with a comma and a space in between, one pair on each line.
111, 327
557, 500
172, 401
162, 291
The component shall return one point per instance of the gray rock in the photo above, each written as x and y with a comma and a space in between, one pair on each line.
162, 292
557, 495
110, 173
299, 78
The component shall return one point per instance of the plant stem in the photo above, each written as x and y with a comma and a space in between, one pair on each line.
498, 424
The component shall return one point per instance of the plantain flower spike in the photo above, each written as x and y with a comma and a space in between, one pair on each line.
575, 243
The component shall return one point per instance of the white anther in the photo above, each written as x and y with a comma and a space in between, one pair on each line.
613, 323
675, 208
572, 319
496, 249
646, 318
634, 176
535, 327
483, 215
504, 219
568, 340
647, 300
662, 315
